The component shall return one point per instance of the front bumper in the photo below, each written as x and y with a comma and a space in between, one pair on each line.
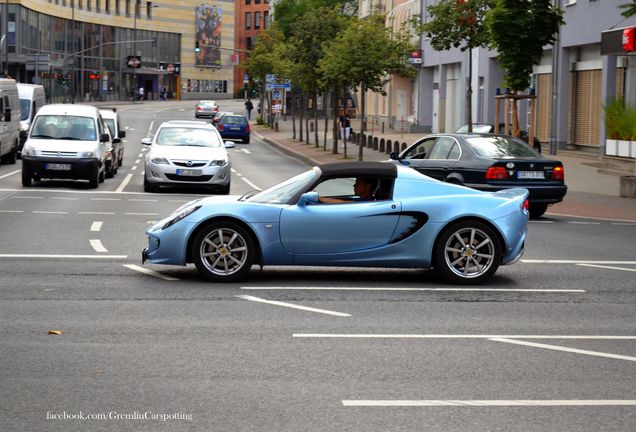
168, 175
80, 168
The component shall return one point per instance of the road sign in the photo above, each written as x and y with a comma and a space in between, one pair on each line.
246, 79
39, 62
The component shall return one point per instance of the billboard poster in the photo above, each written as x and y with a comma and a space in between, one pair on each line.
208, 35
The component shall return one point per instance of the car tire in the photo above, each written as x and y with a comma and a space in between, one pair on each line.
26, 177
455, 258
93, 181
110, 173
120, 163
224, 190
223, 251
246, 141
537, 210
149, 187
13, 155
102, 176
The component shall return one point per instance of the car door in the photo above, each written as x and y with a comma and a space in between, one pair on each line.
433, 156
322, 228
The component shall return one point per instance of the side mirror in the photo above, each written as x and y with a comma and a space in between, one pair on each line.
394, 156
122, 134
116, 140
308, 198
7, 115
104, 138
146, 141
229, 144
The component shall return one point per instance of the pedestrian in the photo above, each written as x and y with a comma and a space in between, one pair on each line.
345, 126
142, 93
249, 106
163, 94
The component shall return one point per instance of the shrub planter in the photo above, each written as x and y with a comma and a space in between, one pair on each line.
627, 187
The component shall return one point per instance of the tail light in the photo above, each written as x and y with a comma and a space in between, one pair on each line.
496, 173
216, 109
247, 128
219, 126
199, 108
525, 207
558, 173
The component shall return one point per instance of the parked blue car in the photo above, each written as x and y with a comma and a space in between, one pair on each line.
316, 219
234, 127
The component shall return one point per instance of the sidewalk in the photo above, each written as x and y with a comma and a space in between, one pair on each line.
593, 184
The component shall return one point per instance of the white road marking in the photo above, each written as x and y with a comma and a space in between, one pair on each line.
293, 306
141, 214
607, 267
590, 217
64, 198
97, 245
124, 182
53, 256
134, 168
150, 127
537, 261
246, 151
10, 174
457, 336
105, 199
560, 348
96, 213
584, 223
252, 185
137, 161
27, 197
264, 288
96, 226
140, 155
540, 222
178, 201
623, 223
48, 212
142, 200
11, 211
149, 272
489, 403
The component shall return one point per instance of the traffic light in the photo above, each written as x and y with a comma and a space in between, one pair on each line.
196, 47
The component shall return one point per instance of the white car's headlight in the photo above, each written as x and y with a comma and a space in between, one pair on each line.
28, 150
24, 127
159, 161
182, 214
87, 154
219, 162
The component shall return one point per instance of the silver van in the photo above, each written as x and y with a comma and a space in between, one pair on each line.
32, 98
9, 120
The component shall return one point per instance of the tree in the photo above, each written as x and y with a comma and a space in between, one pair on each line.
459, 24
363, 54
630, 9
520, 29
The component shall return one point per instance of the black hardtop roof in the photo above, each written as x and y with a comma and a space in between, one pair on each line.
359, 169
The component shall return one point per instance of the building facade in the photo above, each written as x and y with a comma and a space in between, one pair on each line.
252, 17
83, 50
572, 83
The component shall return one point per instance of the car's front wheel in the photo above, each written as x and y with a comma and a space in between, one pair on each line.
223, 251
26, 177
468, 252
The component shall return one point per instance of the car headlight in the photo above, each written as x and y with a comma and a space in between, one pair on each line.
180, 215
159, 161
88, 154
28, 150
218, 162
24, 127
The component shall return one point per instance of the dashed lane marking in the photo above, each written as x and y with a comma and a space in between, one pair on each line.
537, 261
149, 272
292, 306
124, 183
608, 267
96, 226
97, 245
280, 288
61, 256
458, 336
10, 174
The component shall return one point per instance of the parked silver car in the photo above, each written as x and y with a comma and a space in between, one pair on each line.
187, 153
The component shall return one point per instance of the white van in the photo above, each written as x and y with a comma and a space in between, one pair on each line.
66, 141
9, 120
32, 98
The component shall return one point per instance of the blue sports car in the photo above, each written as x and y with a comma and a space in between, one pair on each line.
322, 218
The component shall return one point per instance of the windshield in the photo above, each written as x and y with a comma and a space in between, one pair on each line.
110, 123
499, 147
183, 136
283, 192
477, 128
64, 127
25, 108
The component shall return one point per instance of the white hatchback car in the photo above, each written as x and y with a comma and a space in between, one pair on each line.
187, 153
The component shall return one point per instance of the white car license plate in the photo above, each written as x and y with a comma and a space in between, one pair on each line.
58, 167
189, 172
534, 175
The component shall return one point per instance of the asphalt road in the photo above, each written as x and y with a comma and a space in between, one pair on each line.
548, 345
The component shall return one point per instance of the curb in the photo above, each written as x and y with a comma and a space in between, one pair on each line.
284, 149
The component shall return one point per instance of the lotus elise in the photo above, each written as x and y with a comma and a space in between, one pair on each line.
316, 219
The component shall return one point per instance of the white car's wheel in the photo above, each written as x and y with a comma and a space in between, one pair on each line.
468, 252
223, 251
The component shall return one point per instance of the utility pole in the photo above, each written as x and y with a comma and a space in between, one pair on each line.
6, 39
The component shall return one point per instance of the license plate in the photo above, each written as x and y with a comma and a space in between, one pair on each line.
531, 175
58, 167
235, 128
189, 172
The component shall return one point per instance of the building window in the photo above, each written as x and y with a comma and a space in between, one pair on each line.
257, 1
248, 20
257, 20
88, 5
248, 2
127, 7
80, 5
248, 43
98, 6
107, 6
149, 10
265, 19
138, 8
266, 1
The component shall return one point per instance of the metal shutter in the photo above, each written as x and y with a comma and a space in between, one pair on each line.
586, 108
544, 107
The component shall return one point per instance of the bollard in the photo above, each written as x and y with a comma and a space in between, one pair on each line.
381, 145
403, 146
363, 139
396, 147
389, 146
311, 126
375, 143
382, 127
370, 141
276, 126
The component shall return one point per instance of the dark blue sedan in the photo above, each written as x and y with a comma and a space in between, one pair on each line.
234, 127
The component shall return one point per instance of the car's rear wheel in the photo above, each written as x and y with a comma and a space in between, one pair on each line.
26, 177
468, 252
223, 251
537, 210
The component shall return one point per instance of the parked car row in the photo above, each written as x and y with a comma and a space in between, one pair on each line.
68, 141
231, 126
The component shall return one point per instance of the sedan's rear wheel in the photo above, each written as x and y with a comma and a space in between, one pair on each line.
223, 252
468, 253
537, 210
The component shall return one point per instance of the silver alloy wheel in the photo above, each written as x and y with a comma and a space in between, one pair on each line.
223, 251
469, 252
